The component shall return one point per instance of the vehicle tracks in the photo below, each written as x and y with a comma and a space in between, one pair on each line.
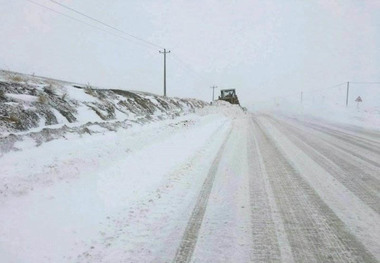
364, 143
362, 183
266, 228
345, 145
190, 236
314, 232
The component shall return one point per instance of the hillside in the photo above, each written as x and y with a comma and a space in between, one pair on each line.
43, 109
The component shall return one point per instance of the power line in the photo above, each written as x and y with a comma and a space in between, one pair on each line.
107, 25
80, 21
365, 82
323, 89
187, 67
316, 90
330, 87
303, 92
141, 41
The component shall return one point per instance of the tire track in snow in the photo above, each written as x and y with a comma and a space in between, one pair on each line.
267, 225
357, 154
315, 233
357, 151
226, 233
343, 136
367, 133
363, 184
367, 136
189, 239
150, 238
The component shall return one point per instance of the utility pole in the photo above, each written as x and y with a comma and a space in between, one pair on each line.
164, 52
348, 89
213, 88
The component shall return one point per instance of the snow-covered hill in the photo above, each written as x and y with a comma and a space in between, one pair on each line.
42, 109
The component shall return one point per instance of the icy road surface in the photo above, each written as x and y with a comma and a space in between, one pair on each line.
229, 187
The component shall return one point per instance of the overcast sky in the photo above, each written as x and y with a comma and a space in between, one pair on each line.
263, 48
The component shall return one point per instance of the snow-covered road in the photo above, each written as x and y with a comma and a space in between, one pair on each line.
230, 187
320, 201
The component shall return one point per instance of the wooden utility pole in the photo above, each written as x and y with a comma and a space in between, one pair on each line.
164, 52
213, 88
348, 90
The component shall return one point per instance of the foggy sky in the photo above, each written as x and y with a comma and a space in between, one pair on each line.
261, 48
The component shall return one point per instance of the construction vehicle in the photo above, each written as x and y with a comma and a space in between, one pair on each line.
229, 95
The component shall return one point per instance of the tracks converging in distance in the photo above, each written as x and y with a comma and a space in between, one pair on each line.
290, 219
313, 230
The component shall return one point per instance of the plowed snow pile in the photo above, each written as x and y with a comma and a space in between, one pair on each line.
222, 107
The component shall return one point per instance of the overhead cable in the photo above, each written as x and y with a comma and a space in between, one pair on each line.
83, 22
107, 25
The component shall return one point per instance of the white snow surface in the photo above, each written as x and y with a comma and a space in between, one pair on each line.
363, 223
22, 97
110, 196
217, 185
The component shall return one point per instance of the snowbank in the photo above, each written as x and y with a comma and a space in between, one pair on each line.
222, 107
29, 102
40, 110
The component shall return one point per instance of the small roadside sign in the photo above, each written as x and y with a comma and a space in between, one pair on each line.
358, 99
